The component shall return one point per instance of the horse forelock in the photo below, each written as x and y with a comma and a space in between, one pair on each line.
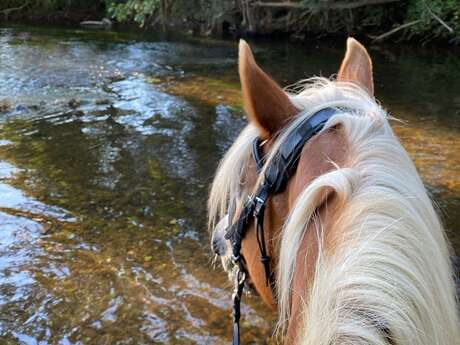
228, 186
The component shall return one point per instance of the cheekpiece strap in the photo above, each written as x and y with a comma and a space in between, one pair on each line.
276, 176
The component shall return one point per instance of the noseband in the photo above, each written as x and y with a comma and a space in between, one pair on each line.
276, 176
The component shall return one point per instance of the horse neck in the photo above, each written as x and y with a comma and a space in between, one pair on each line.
320, 314
305, 265
373, 265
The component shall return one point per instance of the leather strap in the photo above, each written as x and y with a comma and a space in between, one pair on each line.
257, 154
276, 176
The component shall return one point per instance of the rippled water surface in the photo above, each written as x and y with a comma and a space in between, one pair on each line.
108, 142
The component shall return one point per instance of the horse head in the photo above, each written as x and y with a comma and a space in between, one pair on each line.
346, 226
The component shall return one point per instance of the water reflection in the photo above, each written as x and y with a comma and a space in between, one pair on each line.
107, 151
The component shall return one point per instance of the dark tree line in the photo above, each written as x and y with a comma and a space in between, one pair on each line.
423, 20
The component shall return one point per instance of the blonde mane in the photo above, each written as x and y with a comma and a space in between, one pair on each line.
389, 281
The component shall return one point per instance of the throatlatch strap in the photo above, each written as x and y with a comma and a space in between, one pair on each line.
259, 211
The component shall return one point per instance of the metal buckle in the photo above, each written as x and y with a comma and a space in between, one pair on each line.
236, 259
259, 204
249, 200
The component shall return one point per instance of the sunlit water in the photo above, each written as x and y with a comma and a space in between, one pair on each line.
108, 143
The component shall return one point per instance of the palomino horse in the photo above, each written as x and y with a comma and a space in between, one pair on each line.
354, 250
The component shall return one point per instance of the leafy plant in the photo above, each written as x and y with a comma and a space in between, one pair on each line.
139, 11
438, 19
424, 20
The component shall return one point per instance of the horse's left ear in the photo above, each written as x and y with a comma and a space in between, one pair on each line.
357, 66
266, 104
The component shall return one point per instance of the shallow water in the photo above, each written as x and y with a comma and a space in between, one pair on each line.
108, 143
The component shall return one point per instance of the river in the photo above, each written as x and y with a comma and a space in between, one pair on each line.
108, 144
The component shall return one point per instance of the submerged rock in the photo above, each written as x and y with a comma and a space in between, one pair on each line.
104, 101
74, 103
104, 23
212, 91
5, 106
21, 109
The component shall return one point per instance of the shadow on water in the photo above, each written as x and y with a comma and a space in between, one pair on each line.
108, 145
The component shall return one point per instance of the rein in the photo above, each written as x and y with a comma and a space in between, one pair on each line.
276, 176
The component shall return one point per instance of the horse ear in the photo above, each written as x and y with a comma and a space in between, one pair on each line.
357, 66
266, 104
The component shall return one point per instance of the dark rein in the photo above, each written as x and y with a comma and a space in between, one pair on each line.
276, 176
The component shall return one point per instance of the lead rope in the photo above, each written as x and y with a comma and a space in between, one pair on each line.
257, 204
240, 279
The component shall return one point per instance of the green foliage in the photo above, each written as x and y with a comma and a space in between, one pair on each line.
147, 12
50, 5
139, 11
437, 19
429, 19
432, 19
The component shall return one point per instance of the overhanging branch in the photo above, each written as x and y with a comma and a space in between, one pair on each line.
324, 5
395, 30
7, 11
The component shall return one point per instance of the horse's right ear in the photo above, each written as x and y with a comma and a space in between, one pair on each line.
357, 66
266, 104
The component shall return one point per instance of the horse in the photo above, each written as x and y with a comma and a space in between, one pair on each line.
355, 249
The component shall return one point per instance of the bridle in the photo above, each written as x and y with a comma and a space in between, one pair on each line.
276, 176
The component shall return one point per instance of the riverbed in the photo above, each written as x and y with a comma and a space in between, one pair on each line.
108, 144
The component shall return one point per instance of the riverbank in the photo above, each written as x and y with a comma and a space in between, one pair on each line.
52, 12
377, 21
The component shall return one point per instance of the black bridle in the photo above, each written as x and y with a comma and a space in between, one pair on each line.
276, 176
